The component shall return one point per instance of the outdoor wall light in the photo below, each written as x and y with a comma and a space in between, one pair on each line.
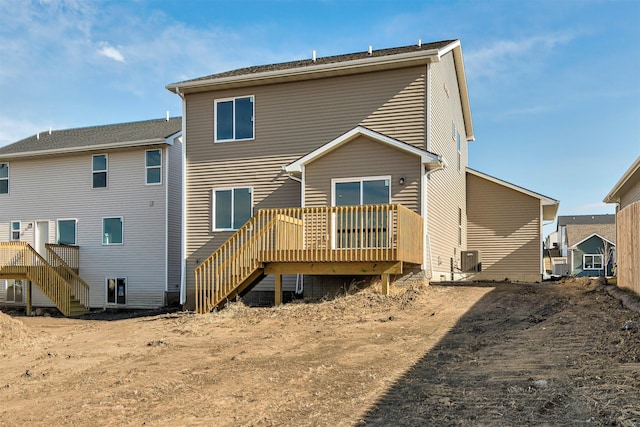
401, 180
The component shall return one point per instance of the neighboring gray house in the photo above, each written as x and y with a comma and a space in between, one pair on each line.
106, 200
587, 242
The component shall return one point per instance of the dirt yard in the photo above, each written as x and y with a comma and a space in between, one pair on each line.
488, 355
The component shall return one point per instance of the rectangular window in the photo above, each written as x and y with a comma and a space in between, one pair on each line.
459, 227
15, 231
4, 178
67, 232
117, 290
231, 208
153, 167
234, 119
99, 170
112, 231
459, 153
592, 262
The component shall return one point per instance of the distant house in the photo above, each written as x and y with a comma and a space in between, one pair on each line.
587, 244
626, 195
91, 217
344, 165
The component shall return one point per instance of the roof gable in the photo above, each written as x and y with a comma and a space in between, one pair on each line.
426, 157
578, 232
92, 138
575, 245
549, 205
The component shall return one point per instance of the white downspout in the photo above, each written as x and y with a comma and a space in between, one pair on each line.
424, 179
183, 235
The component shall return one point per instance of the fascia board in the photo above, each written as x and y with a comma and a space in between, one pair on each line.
85, 148
310, 72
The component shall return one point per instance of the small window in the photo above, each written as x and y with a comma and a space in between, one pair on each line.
4, 178
231, 208
99, 170
153, 167
234, 119
67, 232
459, 227
592, 262
117, 290
459, 153
112, 231
15, 230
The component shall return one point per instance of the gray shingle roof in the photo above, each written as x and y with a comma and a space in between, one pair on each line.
586, 219
578, 232
94, 137
325, 60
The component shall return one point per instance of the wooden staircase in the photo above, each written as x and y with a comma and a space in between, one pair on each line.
348, 240
55, 278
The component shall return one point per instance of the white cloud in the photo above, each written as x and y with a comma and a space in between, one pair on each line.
504, 57
110, 52
13, 129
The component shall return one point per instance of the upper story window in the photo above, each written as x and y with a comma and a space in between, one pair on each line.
153, 167
15, 231
67, 232
4, 178
459, 153
231, 208
234, 119
112, 231
99, 170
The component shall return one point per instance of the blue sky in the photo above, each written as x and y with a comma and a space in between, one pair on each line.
554, 85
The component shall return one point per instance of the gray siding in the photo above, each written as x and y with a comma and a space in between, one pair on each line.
364, 158
60, 187
505, 226
291, 120
446, 188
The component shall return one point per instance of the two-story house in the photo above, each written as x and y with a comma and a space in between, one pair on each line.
347, 165
93, 215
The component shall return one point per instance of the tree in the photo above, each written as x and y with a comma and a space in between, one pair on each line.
607, 255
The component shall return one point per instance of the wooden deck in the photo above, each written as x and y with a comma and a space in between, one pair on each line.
53, 276
343, 240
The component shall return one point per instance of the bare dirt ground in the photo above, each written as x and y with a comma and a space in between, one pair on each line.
489, 355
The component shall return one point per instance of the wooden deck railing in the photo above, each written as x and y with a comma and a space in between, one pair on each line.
56, 254
70, 254
367, 233
19, 259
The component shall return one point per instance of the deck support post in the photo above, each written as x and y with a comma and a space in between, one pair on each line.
385, 284
277, 292
29, 306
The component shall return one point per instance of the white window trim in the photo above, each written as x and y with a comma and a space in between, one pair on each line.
6, 179
102, 236
146, 168
106, 170
213, 206
75, 220
584, 257
106, 291
360, 179
215, 119
459, 147
11, 230
460, 229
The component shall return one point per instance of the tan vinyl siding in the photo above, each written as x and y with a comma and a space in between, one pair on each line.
632, 194
61, 188
446, 188
291, 120
174, 214
504, 225
362, 158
